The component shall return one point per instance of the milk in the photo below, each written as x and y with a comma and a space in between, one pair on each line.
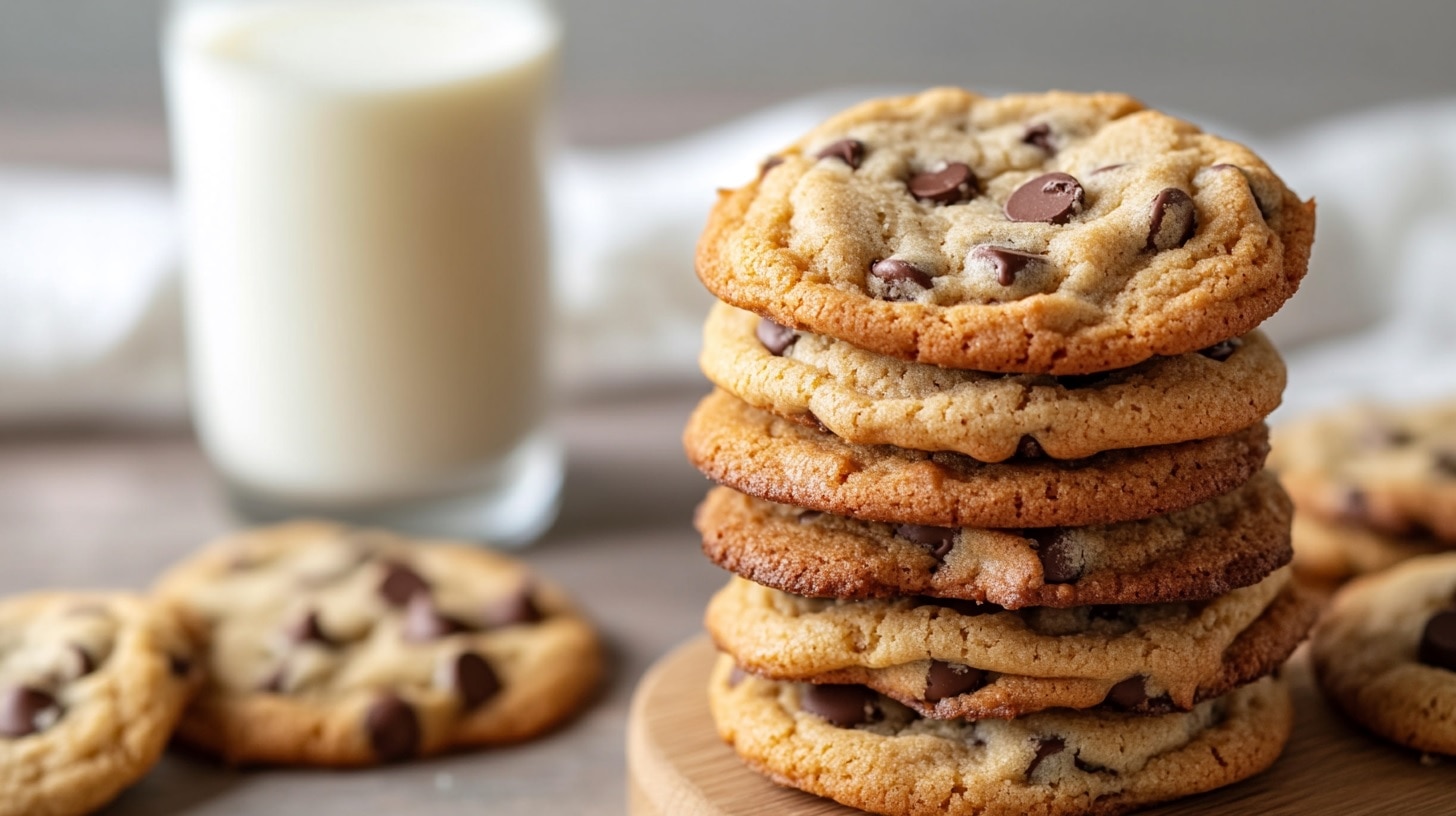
367, 259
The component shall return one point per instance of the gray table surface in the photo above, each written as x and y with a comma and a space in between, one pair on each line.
93, 508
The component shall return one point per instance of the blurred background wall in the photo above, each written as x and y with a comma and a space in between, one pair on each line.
656, 68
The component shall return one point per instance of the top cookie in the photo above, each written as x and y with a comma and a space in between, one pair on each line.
1054, 233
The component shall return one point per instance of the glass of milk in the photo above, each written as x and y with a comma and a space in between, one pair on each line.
366, 269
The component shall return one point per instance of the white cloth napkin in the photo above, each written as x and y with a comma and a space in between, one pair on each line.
89, 314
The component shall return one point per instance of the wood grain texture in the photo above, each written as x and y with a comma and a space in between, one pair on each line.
677, 765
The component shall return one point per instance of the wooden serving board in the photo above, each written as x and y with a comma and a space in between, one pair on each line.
677, 766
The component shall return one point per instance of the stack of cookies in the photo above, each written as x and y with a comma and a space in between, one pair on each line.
1374, 485
989, 433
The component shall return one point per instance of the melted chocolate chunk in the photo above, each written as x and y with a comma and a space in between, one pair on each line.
401, 583
180, 666
938, 540
849, 151
952, 184
1039, 135
473, 679
423, 622
894, 270
1089, 767
1172, 221
307, 629
841, 705
1045, 747
1006, 262
510, 610
393, 728
951, 680
1128, 694
1223, 349
25, 710
774, 337
1053, 198
1062, 561
1438, 641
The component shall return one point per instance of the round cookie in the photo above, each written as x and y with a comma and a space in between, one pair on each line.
91, 686
1385, 653
337, 647
952, 659
1201, 552
1052, 233
1331, 552
866, 751
1389, 469
772, 458
871, 399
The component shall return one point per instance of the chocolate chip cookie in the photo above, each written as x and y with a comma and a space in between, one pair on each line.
1329, 552
1388, 469
1053, 233
1385, 653
772, 458
866, 751
872, 399
91, 686
333, 646
1201, 552
958, 659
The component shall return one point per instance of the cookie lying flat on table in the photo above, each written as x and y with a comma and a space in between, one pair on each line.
872, 399
1201, 552
91, 686
778, 460
956, 659
1385, 652
1050, 233
1329, 552
865, 751
331, 646
1391, 470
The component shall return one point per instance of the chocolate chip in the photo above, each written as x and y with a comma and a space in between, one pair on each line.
961, 606
1173, 220
951, 680
1353, 505
1053, 198
849, 151
1128, 694
179, 666
736, 675
424, 623
308, 629
473, 679
508, 610
1090, 767
1444, 462
1379, 436
768, 164
1039, 135
1007, 262
25, 710
774, 337
1223, 349
894, 270
1029, 448
939, 540
401, 583
1062, 561
843, 706
1438, 641
275, 683
1106, 168
393, 728
1045, 747
950, 185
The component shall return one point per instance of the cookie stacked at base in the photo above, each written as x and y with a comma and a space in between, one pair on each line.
1374, 486
989, 431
